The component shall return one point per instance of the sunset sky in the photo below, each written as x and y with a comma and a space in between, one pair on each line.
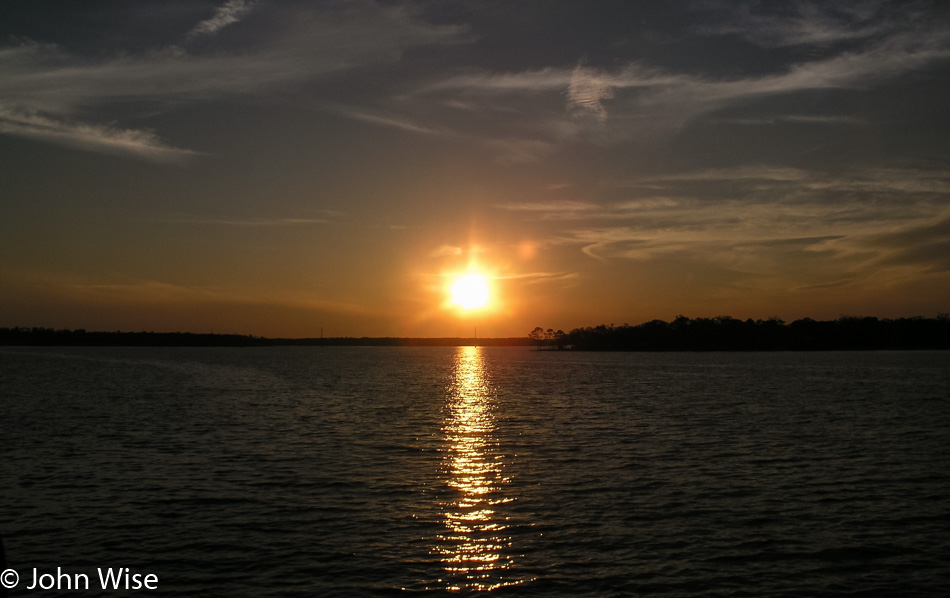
277, 167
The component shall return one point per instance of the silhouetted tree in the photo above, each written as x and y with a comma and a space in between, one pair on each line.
537, 335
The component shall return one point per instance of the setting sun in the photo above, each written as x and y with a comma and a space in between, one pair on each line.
469, 292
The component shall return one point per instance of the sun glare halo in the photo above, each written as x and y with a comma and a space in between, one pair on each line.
469, 292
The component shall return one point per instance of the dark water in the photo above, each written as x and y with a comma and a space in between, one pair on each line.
378, 471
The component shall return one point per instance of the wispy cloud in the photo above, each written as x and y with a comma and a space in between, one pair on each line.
125, 291
98, 138
763, 198
46, 81
809, 23
641, 96
248, 222
794, 228
815, 119
778, 226
692, 95
480, 81
555, 209
446, 251
507, 150
230, 12
152, 291
739, 173
520, 116
923, 245
587, 91
541, 277
382, 119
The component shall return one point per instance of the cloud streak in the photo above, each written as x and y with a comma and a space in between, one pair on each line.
385, 120
812, 230
90, 137
251, 222
44, 81
813, 23
539, 110
803, 230
228, 13
642, 96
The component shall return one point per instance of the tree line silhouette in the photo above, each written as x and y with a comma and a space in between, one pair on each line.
721, 333
23, 336
725, 333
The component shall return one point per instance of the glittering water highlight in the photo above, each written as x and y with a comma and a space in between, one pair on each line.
476, 546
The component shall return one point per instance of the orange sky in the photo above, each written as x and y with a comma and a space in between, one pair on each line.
278, 168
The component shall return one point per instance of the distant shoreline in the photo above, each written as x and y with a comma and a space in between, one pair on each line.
47, 337
682, 334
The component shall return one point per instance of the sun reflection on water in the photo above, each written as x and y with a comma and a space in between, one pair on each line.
475, 546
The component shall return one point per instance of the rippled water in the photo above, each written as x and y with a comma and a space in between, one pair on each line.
373, 471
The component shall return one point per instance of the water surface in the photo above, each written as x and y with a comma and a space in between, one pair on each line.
352, 471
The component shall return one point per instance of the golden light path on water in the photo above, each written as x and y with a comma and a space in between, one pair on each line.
475, 546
